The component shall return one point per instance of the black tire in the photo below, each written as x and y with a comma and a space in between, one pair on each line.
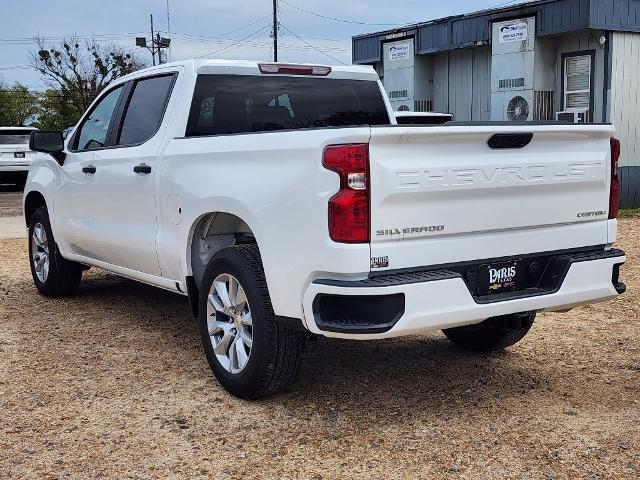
275, 350
493, 334
63, 275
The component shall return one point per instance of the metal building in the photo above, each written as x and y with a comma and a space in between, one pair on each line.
573, 60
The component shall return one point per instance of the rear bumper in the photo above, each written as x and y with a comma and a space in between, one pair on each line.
22, 167
410, 303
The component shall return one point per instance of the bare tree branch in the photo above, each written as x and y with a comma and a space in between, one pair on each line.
81, 70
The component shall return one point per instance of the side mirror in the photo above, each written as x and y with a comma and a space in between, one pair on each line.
48, 142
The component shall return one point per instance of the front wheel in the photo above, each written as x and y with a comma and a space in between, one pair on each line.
53, 275
493, 334
250, 354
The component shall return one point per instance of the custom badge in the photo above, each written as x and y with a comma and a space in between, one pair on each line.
379, 262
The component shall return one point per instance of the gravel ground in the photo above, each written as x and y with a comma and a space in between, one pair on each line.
10, 201
113, 383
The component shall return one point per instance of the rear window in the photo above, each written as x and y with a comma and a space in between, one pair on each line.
14, 137
225, 104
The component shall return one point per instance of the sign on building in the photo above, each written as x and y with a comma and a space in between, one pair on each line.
514, 32
399, 51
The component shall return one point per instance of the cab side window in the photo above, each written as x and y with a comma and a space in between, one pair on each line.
92, 134
145, 109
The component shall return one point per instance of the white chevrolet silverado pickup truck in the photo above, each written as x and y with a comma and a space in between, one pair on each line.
285, 200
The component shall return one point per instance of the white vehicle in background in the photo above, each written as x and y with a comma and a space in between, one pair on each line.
285, 200
15, 155
422, 118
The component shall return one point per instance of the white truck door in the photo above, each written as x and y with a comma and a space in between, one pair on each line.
107, 204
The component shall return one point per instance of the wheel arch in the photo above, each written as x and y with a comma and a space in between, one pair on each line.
32, 201
210, 233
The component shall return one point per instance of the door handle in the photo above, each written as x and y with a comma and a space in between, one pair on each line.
142, 168
89, 169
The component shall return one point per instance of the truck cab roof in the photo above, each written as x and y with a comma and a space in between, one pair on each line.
251, 67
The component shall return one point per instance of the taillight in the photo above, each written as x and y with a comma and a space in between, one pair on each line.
614, 194
349, 208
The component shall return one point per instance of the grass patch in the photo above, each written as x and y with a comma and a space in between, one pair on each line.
629, 213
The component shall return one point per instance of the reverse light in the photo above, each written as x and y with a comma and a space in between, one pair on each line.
349, 208
614, 193
357, 181
288, 69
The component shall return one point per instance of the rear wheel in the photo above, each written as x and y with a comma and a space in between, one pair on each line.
52, 275
493, 334
249, 352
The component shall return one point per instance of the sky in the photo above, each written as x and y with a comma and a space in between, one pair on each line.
237, 29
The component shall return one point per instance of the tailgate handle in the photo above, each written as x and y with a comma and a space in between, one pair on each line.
503, 141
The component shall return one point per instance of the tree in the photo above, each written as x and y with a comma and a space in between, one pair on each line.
57, 111
17, 105
78, 71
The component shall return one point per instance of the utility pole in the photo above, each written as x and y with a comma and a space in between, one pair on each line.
153, 44
157, 42
275, 30
168, 29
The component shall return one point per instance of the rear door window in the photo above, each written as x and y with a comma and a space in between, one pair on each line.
145, 109
227, 104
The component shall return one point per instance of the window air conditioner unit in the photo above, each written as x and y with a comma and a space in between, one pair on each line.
574, 116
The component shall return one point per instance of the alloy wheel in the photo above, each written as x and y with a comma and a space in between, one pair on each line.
40, 252
229, 323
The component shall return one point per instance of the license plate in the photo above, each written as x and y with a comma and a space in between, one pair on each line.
18, 154
500, 277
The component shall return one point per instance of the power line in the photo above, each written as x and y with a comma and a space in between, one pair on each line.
97, 38
236, 42
308, 44
326, 17
262, 44
219, 37
16, 67
112, 36
188, 37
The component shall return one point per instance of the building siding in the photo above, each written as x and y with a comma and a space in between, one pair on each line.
624, 94
622, 15
625, 102
366, 49
563, 16
481, 84
462, 83
441, 83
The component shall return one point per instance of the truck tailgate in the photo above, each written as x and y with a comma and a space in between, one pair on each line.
441, 194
